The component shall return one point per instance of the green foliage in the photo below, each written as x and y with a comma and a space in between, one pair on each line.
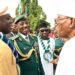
33, 11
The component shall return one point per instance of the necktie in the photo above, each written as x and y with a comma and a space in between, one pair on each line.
27, 39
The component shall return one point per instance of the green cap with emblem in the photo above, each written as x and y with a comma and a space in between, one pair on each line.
19, 18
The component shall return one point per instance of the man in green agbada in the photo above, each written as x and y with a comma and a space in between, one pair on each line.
27, 47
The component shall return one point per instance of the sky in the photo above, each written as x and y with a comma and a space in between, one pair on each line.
47, 5
54, 7
50, 7
11, 4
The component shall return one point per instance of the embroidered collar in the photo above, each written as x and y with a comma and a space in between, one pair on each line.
48, 53
24, 36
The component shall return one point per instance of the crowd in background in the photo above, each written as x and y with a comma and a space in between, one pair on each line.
42, 52
35, 53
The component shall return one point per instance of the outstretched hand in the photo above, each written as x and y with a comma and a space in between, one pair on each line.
55, 61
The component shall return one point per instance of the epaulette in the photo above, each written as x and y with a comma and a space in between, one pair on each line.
14, 37
31, 36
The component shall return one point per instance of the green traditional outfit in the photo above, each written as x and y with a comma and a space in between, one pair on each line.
58, 45
29, 60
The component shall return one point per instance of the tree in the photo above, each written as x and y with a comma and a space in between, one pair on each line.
33, 11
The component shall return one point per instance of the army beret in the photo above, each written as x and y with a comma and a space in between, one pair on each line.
19, 18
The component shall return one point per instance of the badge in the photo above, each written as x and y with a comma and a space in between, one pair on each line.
48, 56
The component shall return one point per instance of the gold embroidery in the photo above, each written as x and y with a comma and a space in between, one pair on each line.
25, 56
20, 39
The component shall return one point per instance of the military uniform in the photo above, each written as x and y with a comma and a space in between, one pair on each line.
29, 60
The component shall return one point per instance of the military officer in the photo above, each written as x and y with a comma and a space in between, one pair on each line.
27, 47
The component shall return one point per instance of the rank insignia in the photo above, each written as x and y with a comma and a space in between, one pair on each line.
20, 39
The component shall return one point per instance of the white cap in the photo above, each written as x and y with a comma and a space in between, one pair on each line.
66, 8
8, 7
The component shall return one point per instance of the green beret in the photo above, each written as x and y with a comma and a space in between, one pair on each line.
19, 18
58, 43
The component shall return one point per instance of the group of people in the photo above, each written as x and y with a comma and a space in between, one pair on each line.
22, 53
25, 54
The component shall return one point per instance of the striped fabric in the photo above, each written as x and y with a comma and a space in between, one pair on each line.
10, 44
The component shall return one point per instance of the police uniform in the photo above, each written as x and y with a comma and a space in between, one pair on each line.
29, 60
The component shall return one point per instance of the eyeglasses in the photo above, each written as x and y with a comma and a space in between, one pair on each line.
46, 30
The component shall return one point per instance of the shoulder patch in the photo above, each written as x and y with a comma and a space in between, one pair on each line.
14, 37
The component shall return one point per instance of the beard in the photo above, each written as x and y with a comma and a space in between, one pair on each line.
44, 36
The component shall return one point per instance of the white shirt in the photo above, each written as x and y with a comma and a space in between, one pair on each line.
48, 67
24, 36
66, 63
